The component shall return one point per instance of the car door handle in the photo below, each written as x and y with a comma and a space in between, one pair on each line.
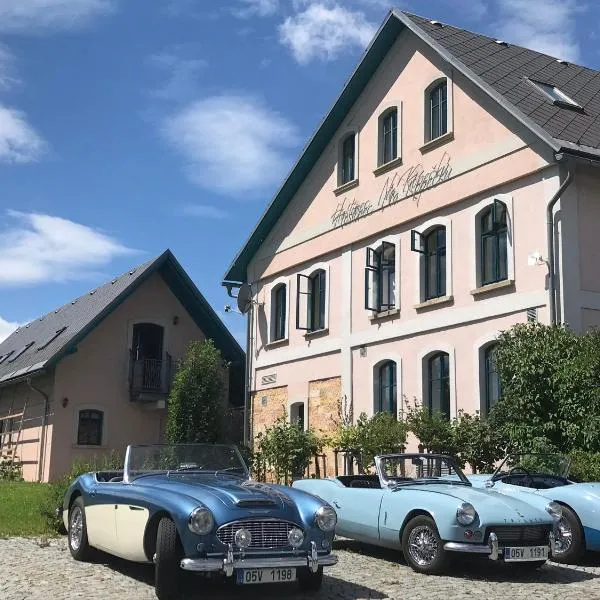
336, 504
135, 508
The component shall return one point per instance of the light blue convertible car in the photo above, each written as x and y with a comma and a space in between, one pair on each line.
424, 505
193, 507
527, 476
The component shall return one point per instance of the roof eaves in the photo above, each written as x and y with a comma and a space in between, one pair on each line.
387, 33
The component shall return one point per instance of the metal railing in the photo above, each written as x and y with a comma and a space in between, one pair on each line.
150, 375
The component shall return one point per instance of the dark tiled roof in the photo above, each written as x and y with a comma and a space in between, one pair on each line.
82, 314
505, 67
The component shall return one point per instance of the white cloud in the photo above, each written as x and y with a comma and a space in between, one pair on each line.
182, 75
32, 15
202, 210
259, 8
39, 248
323, 31
232, 144
8, 78
19, 142
547, 26
6, 328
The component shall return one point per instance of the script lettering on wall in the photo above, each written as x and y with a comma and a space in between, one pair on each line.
409, 184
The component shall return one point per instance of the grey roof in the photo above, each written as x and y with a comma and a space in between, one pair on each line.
78, 317
506, 68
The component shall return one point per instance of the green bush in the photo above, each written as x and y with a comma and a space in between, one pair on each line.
585, 466
11, 470
55, 493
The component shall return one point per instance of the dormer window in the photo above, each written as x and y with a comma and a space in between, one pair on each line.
557, 96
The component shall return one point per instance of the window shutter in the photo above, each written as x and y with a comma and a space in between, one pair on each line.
416, 242
303, 299
387, 279
372, 280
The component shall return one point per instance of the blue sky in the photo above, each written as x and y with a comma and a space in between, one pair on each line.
132, 126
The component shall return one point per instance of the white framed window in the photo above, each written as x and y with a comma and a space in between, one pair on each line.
382, 275
312, 299
432, 245
279, 311
493, 256
438, 110
347, 165
389, 137
438, 379
489, 389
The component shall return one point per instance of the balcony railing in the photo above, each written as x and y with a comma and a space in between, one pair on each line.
150, 377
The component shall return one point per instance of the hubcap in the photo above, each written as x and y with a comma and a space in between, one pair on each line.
76, 528
422, 545
564, 537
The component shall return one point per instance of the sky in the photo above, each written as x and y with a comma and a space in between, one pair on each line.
131, 126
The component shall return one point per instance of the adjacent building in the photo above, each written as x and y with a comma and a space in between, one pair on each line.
94, 375
451, 192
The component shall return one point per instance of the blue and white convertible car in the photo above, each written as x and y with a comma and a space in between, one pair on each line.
527, 476
424, 505
193, 507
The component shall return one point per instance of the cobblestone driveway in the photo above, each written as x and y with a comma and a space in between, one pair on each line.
32, 570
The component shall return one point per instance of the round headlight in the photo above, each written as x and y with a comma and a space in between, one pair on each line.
242, 538
326, 518
201, 521
555, 510
466, 514
295, 537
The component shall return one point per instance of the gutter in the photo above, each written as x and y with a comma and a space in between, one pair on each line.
550, 237
44, 425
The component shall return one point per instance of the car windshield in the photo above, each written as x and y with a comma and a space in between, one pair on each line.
557, 465
183, 458
397, 470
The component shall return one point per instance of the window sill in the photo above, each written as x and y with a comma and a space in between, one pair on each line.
89, 447
491, 287
345, 187
377, 316
438, 141
434, 302
317, 333
388, 166
277, 343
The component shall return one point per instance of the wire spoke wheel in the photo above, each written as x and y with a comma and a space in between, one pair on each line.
564, 538
423, 545
76, 529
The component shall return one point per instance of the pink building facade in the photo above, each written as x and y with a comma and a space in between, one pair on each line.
429, 212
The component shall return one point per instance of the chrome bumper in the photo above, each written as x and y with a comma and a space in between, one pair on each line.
491, 548
226, 565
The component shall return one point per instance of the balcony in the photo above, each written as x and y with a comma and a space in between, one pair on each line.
150, 380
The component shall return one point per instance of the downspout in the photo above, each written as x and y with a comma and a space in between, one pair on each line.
250, 319
550, 235
44, 424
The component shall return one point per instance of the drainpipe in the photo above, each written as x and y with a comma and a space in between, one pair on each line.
247, 384
44, 423
550, 234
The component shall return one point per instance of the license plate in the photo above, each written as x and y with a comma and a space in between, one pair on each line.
525, 553
275, 575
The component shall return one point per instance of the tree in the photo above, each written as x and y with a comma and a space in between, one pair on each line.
196, 402
433, 430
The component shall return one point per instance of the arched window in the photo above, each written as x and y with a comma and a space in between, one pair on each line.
279, 313
494, 236
385, 400
438, 375
493, 388
316, 304
435, 263
348, 159
388, 136
438, 111
90, 427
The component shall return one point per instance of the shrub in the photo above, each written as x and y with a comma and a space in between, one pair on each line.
433, 430
585, 466
11, 470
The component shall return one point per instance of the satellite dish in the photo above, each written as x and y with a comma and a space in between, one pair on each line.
244, 298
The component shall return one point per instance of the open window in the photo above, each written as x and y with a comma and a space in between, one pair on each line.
311, 301
380, 277
431, 245
297, 414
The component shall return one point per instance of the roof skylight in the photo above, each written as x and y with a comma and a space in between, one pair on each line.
51, 339
5, 356
21, 351
557, 96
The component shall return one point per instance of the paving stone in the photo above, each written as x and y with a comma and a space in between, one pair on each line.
35, 571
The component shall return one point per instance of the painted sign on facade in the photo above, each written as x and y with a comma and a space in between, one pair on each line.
409, 184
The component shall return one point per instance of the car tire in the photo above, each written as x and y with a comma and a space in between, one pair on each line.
167, 571
431, 559
309, 581
573, 527
77, 533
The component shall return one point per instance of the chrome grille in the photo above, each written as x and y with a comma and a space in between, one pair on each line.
520, 534
266, 533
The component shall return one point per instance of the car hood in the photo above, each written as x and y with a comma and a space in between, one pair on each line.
490, 505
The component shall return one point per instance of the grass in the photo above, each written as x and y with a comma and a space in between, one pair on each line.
20, 503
